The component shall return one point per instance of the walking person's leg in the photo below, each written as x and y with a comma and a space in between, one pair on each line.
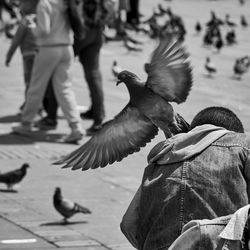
62, 84
44, 65
50, 105
89, 58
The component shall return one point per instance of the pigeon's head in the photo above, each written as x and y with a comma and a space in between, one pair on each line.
57, 190
25, 166
128, 78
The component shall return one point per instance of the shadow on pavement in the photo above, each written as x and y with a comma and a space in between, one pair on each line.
10, 118
62, 223
8, 191
37, 136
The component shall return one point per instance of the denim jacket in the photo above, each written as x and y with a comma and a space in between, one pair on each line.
223, 233
203, 174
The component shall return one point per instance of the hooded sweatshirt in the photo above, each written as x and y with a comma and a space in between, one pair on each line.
53, 27
201, 174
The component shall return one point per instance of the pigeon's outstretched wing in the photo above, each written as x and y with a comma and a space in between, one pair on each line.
169, 72
125, 134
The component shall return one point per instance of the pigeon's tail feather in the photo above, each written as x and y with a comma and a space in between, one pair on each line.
182, 123
80, 209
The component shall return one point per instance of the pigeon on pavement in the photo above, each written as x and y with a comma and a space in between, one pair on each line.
13, 177
65, 207
210, 67
169, 80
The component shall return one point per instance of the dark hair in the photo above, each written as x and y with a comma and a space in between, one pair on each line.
218, 116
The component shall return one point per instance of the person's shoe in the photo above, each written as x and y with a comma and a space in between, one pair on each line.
87, 115
22, 129
93, 129
46, 124
74, 137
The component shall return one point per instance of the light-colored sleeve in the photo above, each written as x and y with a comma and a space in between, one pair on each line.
16, 41
43, 25
129, 221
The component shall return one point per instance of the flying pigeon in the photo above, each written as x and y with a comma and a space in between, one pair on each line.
67, 208
13, 177
169, 80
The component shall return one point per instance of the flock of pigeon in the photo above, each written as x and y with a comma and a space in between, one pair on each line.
164, 22
213, 37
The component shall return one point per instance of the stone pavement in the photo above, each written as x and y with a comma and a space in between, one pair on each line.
27, 217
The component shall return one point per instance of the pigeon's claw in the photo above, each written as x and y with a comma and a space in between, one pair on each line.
125, 134
169, 72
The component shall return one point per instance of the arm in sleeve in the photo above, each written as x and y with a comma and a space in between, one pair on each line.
247, 174
43, 26
16, 41
129, 221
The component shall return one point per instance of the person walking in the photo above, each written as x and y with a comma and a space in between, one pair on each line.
88, 51
201, 174
53, 61
25, 40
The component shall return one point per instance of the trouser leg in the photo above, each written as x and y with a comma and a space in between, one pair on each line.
89, 58
62, 85
44, 65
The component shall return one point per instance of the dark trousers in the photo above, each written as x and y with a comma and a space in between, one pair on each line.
133, 14
88, 51
50, 104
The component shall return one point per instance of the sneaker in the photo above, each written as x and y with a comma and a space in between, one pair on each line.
87, 115
93, 129
74, 137
46, 124
22, 129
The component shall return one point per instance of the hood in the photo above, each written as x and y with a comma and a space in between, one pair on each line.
60, 4
185, 145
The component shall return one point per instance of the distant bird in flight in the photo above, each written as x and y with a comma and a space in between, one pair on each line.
169, 80
67, 208
14, 177
210, 67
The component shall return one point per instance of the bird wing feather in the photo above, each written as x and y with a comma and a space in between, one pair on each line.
125, 134
169, 72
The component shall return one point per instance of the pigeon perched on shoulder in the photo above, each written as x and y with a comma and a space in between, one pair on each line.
13, 177
169, 80
65, 207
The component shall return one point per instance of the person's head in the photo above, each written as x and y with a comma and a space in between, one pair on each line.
28, 6
218, 116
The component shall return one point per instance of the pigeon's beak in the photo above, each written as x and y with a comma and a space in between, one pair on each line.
118, 82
